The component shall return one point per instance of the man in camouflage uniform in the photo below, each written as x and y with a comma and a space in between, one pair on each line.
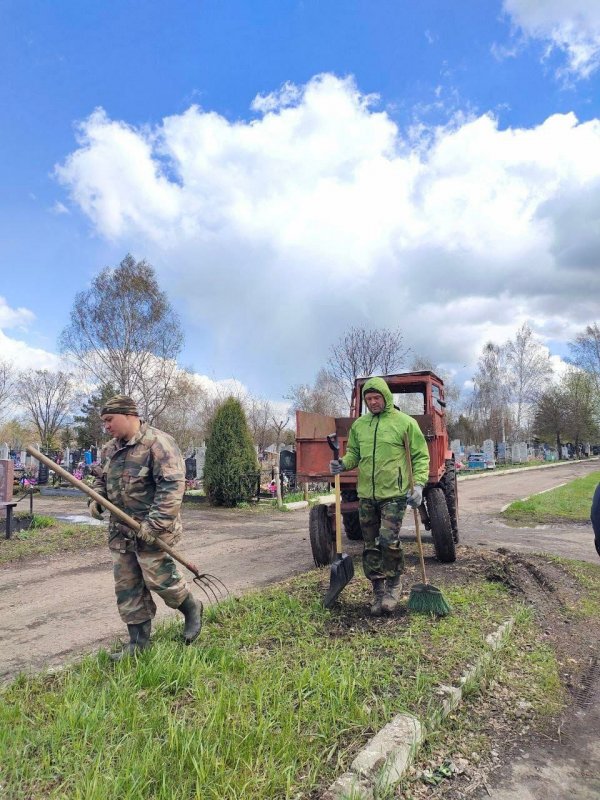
142, 472
376, 447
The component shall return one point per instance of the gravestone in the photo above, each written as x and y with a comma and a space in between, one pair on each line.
43, 473
190, 468
524, 451
488, 448
200, 456
455, 446
4, 452
501, 451
516, 453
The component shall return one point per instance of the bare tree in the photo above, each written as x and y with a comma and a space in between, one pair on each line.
585, 352
48, 398
187, 414
258, 415
361, 352
489, 407
124, 332
278, 426
528, 371
7, 386
322, 398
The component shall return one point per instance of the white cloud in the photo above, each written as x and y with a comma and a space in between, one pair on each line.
278, 233
23, 356
572, 27
14, 317
16, 351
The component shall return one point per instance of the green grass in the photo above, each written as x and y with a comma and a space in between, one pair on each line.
570, 503
272, 702
46, 536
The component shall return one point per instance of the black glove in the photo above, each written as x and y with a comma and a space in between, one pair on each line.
336, 466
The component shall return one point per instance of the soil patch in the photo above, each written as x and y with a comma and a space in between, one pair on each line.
501, 727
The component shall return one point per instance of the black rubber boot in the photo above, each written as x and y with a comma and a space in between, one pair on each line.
393, 590
139, 639
378, 592
192, 612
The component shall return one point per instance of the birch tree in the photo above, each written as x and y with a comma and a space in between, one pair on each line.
528, 373
124, 332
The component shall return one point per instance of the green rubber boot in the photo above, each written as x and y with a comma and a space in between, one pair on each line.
139, 639
192, 612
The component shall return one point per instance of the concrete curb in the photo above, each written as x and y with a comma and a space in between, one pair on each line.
492, 473
384, 760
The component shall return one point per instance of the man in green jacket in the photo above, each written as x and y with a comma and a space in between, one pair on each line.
376, 447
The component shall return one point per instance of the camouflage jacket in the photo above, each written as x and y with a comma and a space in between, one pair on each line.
145, 477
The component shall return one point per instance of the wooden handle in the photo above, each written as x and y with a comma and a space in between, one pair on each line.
415, 511
124, 517
338, 516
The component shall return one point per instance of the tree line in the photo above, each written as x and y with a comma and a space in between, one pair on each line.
123, 336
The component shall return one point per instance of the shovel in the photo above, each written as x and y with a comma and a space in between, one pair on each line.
342, 569
213, 587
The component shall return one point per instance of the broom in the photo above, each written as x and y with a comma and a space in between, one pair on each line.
424, 597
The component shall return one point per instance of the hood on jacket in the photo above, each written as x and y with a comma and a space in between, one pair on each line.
379, 385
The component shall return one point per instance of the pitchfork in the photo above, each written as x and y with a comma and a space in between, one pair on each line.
207, 583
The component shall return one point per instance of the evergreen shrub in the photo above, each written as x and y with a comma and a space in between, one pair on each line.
230, 457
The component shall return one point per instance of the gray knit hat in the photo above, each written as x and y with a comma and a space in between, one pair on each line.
120, 404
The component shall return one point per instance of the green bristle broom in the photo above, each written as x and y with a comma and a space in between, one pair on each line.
424, 597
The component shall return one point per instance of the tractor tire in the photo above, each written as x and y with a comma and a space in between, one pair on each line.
450, 489
351, 519
322, 539
352, 526
441, 526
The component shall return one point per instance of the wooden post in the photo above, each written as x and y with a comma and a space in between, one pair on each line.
305, 488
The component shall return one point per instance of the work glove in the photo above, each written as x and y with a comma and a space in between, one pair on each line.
414, 498
146, 532
96, 510
336, 466
120, 529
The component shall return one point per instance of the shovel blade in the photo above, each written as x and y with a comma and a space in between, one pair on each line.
342, 572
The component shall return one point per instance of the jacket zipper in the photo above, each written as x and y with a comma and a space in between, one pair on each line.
374, 447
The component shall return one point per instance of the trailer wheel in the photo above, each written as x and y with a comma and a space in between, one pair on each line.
352, 525
441, 526
322, 539
451, 492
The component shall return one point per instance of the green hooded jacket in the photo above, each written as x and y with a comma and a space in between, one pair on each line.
376, 447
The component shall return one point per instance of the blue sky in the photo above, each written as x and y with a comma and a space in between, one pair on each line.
292, 168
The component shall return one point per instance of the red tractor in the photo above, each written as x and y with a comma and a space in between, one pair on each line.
420, 394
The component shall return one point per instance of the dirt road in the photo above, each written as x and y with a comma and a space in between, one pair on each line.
54, 608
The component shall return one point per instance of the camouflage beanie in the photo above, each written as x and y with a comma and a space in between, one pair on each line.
120, 404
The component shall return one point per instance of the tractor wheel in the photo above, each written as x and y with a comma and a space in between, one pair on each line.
441, 526
451, 492
322, 539
352, 525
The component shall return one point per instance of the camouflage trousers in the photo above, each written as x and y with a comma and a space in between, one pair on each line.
380, 521
140, 568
